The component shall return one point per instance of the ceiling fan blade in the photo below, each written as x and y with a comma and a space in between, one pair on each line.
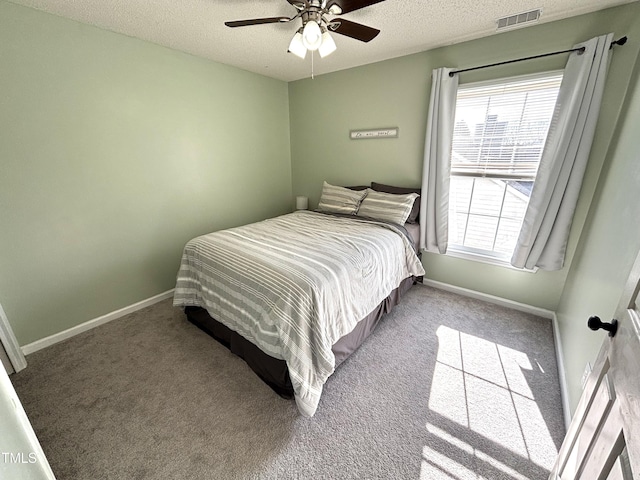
257, 21
347, 6
299, 4
353, 30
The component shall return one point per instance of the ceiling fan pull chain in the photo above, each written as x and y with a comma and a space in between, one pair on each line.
312, 52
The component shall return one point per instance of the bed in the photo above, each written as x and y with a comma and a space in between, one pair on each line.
295, 295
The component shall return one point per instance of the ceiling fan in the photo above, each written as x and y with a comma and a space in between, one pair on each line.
314, 33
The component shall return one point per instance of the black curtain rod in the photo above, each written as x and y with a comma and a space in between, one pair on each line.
580, 51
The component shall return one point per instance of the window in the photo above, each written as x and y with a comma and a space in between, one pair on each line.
499, 134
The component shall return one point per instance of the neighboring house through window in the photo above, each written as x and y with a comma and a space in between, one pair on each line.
500, 130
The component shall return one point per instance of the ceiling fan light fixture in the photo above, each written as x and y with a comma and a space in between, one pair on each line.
328, 45
335, 9
311, 35
297, 46
314, 34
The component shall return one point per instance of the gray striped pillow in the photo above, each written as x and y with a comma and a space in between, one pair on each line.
387, 206
340, 199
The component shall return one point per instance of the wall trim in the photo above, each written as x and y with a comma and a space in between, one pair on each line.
505, 302
10, 343
562, 375
522, 307
83, 327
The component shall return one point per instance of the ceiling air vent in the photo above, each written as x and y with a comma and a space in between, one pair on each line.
519, 20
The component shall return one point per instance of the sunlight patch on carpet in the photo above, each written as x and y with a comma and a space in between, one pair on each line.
482, 393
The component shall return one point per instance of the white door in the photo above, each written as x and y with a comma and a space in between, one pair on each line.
21, 456
603, 440
10, 353
6, 363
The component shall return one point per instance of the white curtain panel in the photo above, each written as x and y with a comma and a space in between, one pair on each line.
434, 202
545, 230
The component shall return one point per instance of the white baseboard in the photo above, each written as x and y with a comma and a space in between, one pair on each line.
540, 312
83, 327
562, 375
522, 307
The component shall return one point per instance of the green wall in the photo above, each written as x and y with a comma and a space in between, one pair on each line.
608, 247
395, 93
113, 153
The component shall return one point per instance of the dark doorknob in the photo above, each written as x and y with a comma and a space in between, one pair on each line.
595, 323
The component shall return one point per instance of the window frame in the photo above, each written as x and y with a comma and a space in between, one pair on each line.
491, 256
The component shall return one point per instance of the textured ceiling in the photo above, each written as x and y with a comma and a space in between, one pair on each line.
197, 27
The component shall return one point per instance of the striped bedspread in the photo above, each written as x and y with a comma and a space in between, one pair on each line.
294, 284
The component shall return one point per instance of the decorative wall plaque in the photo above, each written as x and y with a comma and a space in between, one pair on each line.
377, 133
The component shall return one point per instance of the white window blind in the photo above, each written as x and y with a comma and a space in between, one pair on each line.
500, 131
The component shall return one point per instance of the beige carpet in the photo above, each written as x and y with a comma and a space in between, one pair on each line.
446, 387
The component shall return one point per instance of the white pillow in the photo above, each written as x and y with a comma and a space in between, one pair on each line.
340, 199
387, 206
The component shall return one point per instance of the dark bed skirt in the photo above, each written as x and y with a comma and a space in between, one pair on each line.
273, 371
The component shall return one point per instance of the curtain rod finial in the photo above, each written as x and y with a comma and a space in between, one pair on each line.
621, 41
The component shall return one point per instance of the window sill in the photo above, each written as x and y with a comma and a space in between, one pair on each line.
457, 252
